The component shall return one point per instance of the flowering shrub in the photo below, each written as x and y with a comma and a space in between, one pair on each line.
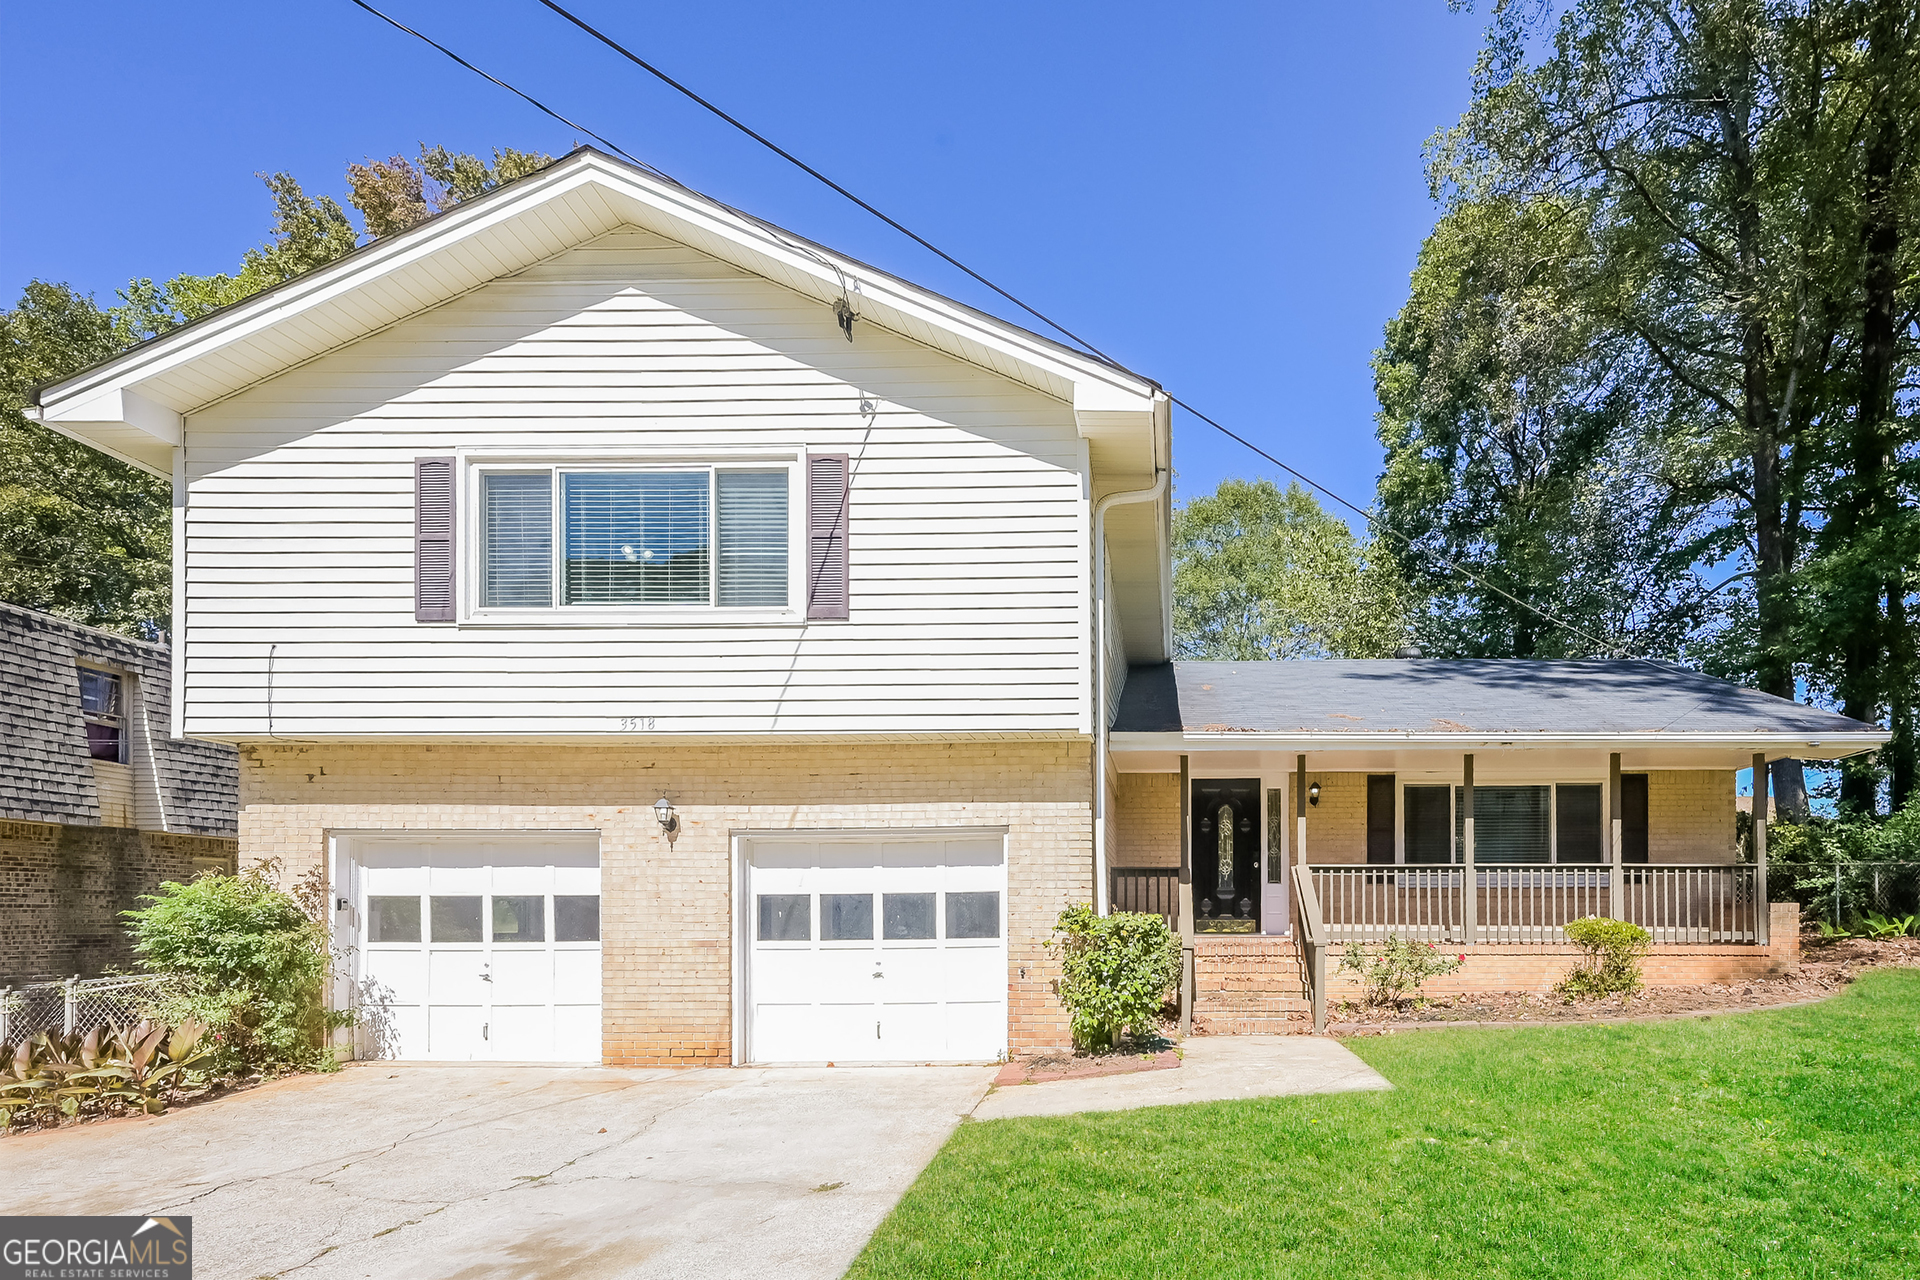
1397, 968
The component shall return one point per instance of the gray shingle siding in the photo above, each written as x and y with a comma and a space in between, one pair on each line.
46, 774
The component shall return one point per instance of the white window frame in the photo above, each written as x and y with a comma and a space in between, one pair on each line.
121, 719
473, 464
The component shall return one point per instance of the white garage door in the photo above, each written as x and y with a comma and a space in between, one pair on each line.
478, 949
877, 951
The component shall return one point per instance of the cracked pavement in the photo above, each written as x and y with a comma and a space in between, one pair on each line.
388, 1170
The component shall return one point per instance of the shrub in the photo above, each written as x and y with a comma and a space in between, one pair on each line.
105, 1072
1610, 952
1116, 973
1397, 968
258, 966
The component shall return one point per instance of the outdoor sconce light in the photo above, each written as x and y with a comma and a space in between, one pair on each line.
1313, 794
663, 810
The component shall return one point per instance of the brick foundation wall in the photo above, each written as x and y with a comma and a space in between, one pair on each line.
666, 920
62, 889
1258, 985
1146, 820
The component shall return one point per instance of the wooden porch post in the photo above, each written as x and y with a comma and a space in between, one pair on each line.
1185, 896
1469, 879
1617, 880
1762, 900
1300, 809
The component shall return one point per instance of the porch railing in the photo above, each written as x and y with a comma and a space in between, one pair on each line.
1153, 890
1529, 902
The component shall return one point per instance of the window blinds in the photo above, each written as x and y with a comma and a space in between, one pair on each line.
516, 541
752, 511
636, 538
1509, 824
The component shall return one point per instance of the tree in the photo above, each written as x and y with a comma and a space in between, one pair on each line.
88, 537
1260, 573
395, 194
1731, 267
82, 535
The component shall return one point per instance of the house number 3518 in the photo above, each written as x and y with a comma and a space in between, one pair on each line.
636, 724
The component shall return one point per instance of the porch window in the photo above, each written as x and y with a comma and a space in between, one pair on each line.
1427, 824
1576, 823
1509, 824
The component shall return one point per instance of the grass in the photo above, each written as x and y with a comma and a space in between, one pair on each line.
1761, 1144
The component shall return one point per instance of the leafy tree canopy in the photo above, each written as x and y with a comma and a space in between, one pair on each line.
1259, 573
87, 537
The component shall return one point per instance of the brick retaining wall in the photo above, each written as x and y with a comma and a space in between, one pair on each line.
1258, 985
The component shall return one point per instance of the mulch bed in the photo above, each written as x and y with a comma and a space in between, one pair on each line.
1825, 968
1084, 1067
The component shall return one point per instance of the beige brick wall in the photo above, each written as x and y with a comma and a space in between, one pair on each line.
62, 889
1146, 820
666, 922
1690, 816
1337, 826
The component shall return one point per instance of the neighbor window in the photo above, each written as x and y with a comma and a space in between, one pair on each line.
101, 696
670, 536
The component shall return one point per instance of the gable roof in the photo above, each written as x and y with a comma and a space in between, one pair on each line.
132, 405
1441, 700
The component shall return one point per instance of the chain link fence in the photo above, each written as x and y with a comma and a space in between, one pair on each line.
1843, 892
81, 1004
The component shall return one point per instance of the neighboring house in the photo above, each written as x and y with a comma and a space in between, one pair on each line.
684, 644
98, 804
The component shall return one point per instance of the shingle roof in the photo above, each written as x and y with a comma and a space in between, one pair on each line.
46, 774
1431, 695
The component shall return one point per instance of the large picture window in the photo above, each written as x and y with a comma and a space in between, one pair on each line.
678, 536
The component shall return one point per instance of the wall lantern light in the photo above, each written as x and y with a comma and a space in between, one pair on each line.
663, 810
1313, 794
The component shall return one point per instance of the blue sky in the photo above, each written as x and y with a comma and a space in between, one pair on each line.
1228, 198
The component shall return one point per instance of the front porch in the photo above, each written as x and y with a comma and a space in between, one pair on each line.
1276, 812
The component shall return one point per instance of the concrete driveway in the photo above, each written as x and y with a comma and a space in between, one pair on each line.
456, 1172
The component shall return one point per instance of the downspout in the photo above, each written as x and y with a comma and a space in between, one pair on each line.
1100, 716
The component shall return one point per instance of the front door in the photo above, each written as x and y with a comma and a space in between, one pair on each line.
1226, 855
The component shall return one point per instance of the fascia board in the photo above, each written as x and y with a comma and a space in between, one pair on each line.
1822, 746
673, 211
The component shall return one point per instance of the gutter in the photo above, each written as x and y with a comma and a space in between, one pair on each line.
1100, 716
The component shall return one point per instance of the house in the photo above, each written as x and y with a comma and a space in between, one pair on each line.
98, 803
681, 643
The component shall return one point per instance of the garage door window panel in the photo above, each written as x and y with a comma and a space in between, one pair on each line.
456, 919
519, 919
786, 917
846, 917
973, 915
907, 917
576, 917
393, 919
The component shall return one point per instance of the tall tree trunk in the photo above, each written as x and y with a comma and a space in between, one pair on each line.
1903, 753
1864, 519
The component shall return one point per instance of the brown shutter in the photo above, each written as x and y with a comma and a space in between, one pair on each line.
1380, 817
1633, 817
433, 539
827, 501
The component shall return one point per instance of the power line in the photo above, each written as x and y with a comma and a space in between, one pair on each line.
615, 147
904, 230
1371, 519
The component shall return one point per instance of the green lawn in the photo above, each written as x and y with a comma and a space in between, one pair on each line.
1760, 1144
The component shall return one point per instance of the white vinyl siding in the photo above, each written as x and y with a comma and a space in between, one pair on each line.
968, 519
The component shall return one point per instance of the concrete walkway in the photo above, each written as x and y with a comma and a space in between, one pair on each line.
1215, 1069
464, 1173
